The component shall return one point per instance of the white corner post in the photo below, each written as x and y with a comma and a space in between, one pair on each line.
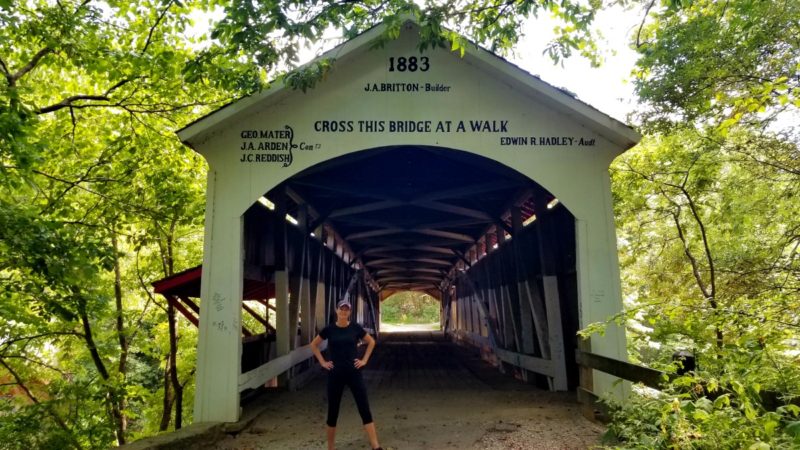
600, 293
283, 326
219, 344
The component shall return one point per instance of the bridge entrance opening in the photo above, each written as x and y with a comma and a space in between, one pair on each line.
493, 248
410, 311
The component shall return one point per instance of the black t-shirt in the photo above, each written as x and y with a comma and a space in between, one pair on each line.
342, 342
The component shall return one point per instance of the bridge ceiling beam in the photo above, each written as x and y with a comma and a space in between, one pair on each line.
412, 211
393, 261
408, 270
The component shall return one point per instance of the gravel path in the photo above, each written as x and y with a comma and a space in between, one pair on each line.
426, 395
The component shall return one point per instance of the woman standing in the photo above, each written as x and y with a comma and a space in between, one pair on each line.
344, 369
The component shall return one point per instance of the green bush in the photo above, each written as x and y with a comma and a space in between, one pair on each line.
410, 308
699, 413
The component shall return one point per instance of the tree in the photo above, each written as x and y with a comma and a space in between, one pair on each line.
90, 172
707, 221
719, 63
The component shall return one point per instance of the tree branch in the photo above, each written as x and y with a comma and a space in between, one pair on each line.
706, 247
6, 73
30, 66
87, 336
8, 343
69, 102
34, 361
155, 25
641, 25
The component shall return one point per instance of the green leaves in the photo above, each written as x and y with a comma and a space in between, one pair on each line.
718, 62
268, 35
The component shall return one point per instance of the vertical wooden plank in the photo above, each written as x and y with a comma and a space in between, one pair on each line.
556, 335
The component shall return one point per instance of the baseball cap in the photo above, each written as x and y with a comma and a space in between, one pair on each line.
344, 302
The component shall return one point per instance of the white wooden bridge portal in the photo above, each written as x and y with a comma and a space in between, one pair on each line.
466, 178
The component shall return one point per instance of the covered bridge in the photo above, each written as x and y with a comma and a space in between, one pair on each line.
463, 177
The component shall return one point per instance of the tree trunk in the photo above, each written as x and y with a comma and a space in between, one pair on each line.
173, 354
166, 409
116, 413
166, 244
124, 345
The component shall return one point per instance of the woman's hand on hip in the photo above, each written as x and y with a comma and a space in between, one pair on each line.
359, 363
327, 365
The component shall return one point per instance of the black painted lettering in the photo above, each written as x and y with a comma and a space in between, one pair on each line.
408, 64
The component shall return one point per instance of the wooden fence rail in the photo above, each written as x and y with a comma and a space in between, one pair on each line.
652, 378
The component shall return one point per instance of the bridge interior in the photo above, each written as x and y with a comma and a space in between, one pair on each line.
494, 247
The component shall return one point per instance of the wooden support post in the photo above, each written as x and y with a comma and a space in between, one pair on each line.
459, 310
256, 316
191, 304
318, 291
555, 331
453, 310
512, 329
500, 232
175, 302
295, 284
525, 313
283, 335
530, 291
330, 284
493, 280
499, 324
477, 320
547, 257
306, 276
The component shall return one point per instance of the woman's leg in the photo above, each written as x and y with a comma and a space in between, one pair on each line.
335, 389
356, 383
331, 432
372, 435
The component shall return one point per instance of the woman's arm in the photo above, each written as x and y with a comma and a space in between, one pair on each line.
359, 363
318, 354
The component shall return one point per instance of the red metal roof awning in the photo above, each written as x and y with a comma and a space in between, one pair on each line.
187, 284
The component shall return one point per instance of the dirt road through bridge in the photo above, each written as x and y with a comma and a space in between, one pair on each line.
425, 393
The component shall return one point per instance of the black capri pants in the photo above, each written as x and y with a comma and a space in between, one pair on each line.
337, 380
